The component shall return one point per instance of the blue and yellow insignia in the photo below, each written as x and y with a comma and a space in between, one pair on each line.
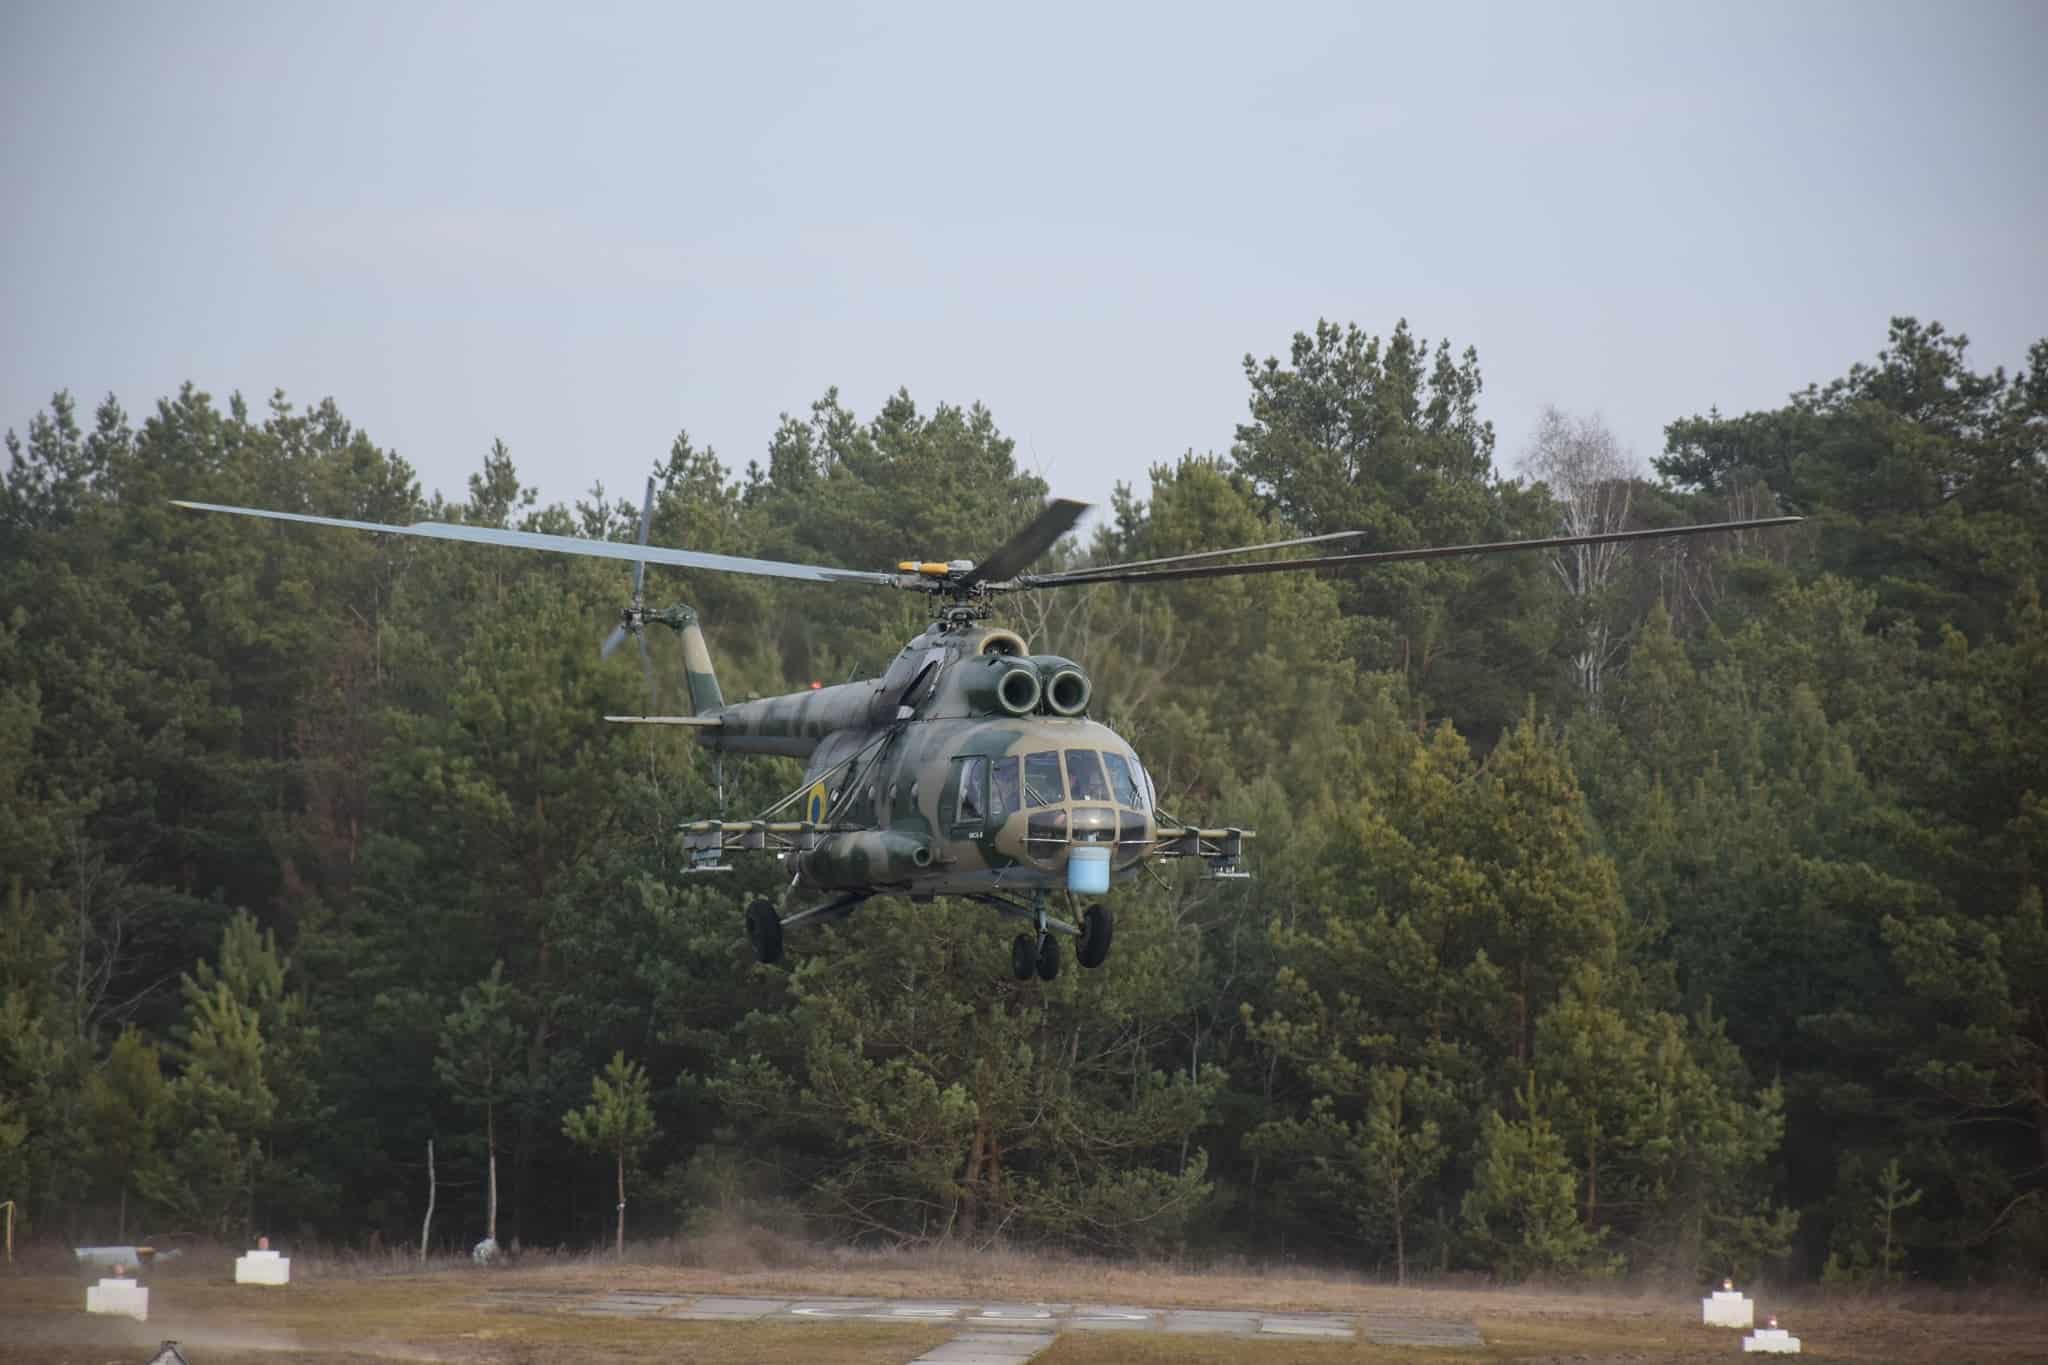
814, 804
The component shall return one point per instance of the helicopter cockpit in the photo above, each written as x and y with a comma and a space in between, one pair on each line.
1084, 805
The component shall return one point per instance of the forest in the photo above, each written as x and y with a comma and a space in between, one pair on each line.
1672, 910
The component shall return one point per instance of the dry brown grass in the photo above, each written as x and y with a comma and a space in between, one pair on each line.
353, 1308
426, 1317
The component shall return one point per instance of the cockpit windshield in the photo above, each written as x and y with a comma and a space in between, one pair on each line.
1042, 779
1128, 791
1084, 775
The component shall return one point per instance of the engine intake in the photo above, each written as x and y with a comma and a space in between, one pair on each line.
999, 685
1066, 688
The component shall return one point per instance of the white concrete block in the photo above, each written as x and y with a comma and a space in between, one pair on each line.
1726, 1308
263, 1267
1775, 1340
121, 1298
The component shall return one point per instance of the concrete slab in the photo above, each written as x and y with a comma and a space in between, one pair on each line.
1211, 1323
1389, 1329
987, 1348
1025, 1314
263, 1267
716, 1307
817, 1306
118, 1297
1090, 1317
1329, 1326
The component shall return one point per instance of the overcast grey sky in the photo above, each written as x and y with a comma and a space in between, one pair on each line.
582, 228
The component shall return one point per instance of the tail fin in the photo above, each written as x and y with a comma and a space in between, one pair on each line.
705, 698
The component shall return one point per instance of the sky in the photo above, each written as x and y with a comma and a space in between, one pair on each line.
582, 229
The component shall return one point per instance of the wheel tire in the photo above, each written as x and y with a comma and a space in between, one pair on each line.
764, 931
1098, 927
1023, 957
1048, 957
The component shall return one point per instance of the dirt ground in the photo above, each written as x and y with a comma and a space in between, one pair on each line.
357, 1312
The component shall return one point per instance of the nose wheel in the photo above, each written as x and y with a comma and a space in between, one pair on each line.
1038, 957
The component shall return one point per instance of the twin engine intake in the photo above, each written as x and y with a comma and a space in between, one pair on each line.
1009, 685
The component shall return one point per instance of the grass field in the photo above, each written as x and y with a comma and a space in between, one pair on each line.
360, 1310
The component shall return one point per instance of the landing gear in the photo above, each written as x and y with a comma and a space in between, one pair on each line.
1038, 952
764, 930
1048, 957
1097, 928
1038, 956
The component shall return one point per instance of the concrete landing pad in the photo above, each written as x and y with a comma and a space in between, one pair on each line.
987, 1348
999, 1327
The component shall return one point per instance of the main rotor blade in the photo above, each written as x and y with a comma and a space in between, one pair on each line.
1119, 573
572, 545
1022, 550
646, 517
1049, 579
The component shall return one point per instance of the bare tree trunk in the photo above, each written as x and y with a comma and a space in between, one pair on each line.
491, 1206
619, 1241
427, 1223
969, 1203
1400, 1241
1592, 1175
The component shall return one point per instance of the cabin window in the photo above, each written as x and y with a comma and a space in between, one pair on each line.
973, 805
1002, 789
1042, 779
1128, 793
1084, 775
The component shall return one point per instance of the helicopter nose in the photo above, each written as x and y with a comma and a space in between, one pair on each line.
1092, 824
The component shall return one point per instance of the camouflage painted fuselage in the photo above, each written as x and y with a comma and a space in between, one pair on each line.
968, 767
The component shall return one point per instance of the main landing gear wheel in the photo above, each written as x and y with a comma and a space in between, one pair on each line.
764, 930
1023, 957
1097, 928
1048, 957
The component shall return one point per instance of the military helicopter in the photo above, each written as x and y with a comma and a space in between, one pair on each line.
970, 767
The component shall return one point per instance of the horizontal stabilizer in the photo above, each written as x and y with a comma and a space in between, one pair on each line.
700, 722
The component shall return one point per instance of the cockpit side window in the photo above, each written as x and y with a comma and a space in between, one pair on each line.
1084, 775
973, 791
1042, 779
1002, 789
1128, 792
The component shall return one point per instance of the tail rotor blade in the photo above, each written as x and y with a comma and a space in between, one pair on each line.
613, 641
647, 667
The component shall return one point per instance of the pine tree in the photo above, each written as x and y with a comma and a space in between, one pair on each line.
618, 1122
479, 1064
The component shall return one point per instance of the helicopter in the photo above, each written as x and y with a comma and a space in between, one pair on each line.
970, 768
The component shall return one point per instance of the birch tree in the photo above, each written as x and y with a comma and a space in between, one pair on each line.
1593, 483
